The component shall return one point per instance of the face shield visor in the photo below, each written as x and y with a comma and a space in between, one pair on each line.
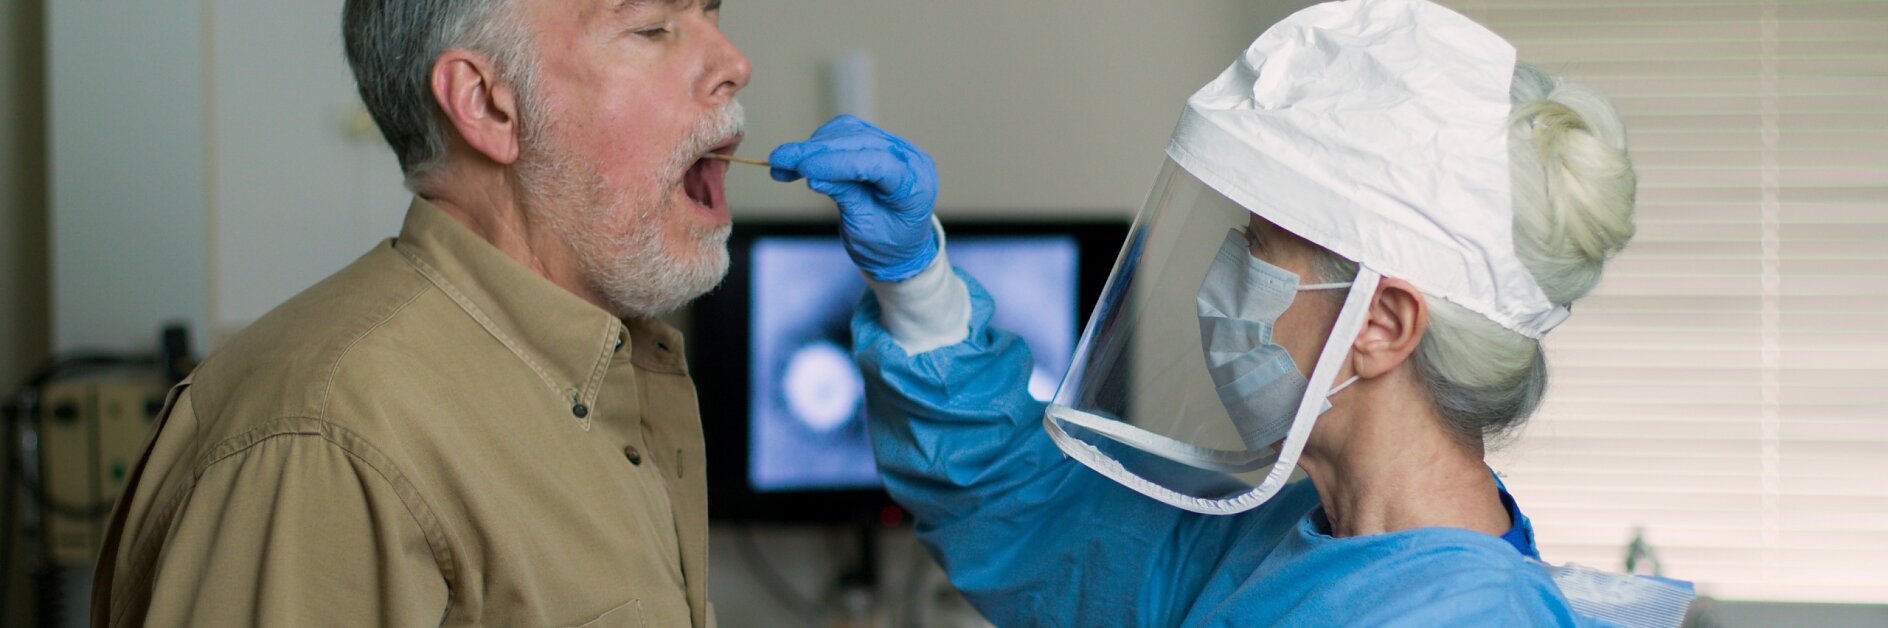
1181, 388
1376, 130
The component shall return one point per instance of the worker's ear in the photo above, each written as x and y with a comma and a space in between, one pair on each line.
1392, 330
483, 109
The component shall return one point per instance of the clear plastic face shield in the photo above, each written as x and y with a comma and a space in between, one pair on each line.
1375, 129
1180, 388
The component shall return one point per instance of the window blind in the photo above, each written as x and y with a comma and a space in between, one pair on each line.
1725, 389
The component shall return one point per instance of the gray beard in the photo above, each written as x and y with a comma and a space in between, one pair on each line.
632, 269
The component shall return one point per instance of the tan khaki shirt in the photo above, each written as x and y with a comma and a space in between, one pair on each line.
434, 435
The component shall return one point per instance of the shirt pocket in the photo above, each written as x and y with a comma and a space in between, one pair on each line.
629, 615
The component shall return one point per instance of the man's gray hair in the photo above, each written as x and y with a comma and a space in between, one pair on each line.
392, 45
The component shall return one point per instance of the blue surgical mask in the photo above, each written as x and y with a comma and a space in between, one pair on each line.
1239, 302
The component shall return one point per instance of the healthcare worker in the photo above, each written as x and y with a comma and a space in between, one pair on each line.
1363, 230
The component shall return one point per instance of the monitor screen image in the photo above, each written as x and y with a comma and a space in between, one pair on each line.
806, 410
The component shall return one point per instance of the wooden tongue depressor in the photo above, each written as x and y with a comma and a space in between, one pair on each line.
739, 160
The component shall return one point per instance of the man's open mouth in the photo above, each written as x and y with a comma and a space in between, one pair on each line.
704, 182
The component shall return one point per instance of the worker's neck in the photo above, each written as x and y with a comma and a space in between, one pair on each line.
486, 199
1386, 463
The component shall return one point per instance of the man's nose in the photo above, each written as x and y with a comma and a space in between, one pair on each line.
729, 69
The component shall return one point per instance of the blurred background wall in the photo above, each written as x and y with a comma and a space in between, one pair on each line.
212, 163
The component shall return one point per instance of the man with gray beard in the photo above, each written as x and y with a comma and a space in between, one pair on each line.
481, 421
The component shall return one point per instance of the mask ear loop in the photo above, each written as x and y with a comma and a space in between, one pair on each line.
1350, 321
1340, 387
1325, 286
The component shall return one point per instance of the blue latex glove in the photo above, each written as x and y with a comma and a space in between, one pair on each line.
885, 188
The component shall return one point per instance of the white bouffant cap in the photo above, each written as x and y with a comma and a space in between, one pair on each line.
1377, 129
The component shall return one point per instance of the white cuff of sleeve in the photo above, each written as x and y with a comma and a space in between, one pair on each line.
930, 310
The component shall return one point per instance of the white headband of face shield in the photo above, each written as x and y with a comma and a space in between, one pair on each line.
1377, 129
1344, 332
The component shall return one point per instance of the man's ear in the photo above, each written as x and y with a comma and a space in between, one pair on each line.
481, 108
1392, 330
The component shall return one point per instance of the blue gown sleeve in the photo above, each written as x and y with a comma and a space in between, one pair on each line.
1029, 535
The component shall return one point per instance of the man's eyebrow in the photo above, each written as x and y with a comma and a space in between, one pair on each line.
625, 5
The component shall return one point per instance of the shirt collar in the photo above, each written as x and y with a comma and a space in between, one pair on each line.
1521, 532
566, 340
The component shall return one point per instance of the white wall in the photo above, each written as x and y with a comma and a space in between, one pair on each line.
1054, 106
127, 128
297, 195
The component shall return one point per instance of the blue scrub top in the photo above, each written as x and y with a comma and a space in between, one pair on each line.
1520, 533
1033, 538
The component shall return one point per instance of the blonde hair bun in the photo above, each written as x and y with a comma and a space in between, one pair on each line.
1574, 185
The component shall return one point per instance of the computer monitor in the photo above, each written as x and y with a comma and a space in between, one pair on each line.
783, 406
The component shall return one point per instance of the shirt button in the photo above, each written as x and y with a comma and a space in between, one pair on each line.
619, 345
580, 410
635, 457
